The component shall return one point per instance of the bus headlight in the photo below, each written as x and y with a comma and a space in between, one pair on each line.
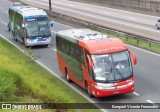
28, 40
49, 39
126, 85
130, 83
105, 86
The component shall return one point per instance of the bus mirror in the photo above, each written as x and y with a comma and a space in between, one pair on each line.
133, 57
90, 63
51, 23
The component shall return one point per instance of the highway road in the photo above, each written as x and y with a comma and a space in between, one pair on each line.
134, 23
146, 72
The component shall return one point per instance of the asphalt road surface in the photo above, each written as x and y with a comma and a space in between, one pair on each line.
134, 23
146, 72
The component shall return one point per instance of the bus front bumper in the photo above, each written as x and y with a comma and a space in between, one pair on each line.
127, 88
31, 42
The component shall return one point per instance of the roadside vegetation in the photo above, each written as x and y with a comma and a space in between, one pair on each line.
132, 41
23, 80
128, 40
142, 44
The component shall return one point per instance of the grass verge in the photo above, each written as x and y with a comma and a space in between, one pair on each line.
132, 41
23, 80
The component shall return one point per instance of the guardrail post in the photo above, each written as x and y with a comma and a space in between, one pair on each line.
126, 38
50, 7
149, 44
137, 41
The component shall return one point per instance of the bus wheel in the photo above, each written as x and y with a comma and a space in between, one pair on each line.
13, 33
25, 43
15, 36
9, 28
87, 90
67, 77
46, 45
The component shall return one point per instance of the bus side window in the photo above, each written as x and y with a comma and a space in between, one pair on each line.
81, 55
77, 53
58, 42
72, 51
63, 47
67, 47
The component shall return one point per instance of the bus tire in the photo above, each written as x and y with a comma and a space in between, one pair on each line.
25, 43
15, 36
46, 45
9, 28
13, 33
87, 90
67, 77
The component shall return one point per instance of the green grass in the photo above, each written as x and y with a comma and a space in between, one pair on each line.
23, 80
132, 41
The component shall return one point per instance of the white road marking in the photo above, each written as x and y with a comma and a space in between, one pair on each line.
149, 101
109, 20
144, 50
71, 5
112, 9
65, 81
105, 12
9, 1
53, 73
56, 2
54, 49
53, 31
1, 7
5, 24
135, 93
87, 8
7, 12
131, 18
127, 44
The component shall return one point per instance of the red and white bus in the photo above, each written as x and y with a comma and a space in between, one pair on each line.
100, 64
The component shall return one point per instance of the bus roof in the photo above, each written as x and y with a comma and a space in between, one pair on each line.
28, 10
95, 42
82, 34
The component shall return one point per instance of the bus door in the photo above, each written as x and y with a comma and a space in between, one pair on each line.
89, 74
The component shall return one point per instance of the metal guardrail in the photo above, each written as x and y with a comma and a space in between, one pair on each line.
101, 28
144, 4
86, 24
127, 36
147, 4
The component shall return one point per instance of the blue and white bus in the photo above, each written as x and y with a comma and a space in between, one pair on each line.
30, 25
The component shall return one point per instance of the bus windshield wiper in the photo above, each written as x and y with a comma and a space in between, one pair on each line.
120, 73
40, 31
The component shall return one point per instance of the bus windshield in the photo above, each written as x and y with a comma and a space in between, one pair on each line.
37, 27
44, 28
32, 28
112, 67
